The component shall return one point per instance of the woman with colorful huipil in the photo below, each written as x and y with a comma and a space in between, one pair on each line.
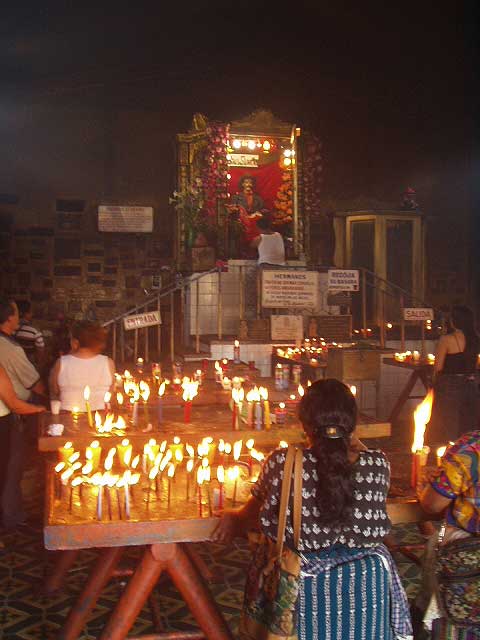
453, 492
349, 587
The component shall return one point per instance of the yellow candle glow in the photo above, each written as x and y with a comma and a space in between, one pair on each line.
86, 397
93, 453
440, 454
266, 407
65, 452
124, 450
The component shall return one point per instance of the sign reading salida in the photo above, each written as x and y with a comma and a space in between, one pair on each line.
416, 313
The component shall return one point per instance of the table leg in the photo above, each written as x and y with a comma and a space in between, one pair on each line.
199, 562
99, 576
403, 397
195, 592
63, 563
134, 596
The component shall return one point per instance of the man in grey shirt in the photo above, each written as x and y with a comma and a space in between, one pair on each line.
25, 380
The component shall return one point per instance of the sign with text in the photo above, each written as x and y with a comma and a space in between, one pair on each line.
243, 160
140, 320
115, 219
414, 313
285, 289
343, 280
287, 328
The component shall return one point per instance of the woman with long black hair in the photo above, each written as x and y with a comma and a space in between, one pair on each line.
349, 587
456, 399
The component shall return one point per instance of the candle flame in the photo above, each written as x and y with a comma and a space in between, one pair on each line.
171, 470
221, 474
107, 397
87, 468
281, 405
161, 389
441, 451
76, 481
144, 390
190, 450
74, 457
228, 448
135, 461
200, 475
257, 455
86, 393
98, 420
190, 464
353, 389
59, 467
421, 417
283, 445
68, 445
178, 455
263, 391
153, 473
190, 389
301, 391
120, 398
249, 443
221, 445
237, 449
236, 343
217, 366
108, 463
233, 473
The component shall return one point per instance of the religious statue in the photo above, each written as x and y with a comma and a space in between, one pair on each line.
248, 205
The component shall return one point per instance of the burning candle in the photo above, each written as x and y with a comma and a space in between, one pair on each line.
145, 393
86, 397
190, 390
161, 392
440, 454
226, 384
170, 474
75, 483
258, 415
134, 403
126, 480
221, 481
198, 376
431, 358
65, 452
416, 356
237, 397
421, 417
106, 399
93, 453
199, 484
218, 373
124, 450
139, 365
233, 475
250, 402
280, 414
266, 408
236, 352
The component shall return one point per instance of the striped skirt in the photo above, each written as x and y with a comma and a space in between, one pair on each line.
350, 601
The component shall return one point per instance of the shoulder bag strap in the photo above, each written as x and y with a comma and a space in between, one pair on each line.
284, 496
297, 497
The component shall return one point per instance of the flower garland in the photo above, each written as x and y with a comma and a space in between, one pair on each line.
214, 174
283, 212
312, 175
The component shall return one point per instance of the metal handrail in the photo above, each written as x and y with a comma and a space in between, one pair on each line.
178, 286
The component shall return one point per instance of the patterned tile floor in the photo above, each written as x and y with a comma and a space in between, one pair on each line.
25, 613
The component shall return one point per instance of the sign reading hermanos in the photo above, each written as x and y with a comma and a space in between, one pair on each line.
289, 289
416, 313
343, 280
125, 219
148, 319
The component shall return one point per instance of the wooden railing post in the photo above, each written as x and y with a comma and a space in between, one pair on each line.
135, 348
147, 345
402, 325
382, 318
172, 327
114, 342
364, 303
122, 342
242, 294
159, 333
197, 317
219, 307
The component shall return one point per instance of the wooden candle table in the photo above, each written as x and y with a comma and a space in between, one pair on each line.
420, 370
161, 524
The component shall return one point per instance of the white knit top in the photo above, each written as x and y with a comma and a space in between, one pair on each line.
76, 373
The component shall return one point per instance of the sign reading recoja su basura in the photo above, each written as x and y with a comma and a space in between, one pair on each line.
285, 289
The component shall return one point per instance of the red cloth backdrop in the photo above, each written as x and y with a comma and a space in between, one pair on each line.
268, 178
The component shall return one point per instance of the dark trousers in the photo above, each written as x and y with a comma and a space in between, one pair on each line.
11, 496
6, 426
